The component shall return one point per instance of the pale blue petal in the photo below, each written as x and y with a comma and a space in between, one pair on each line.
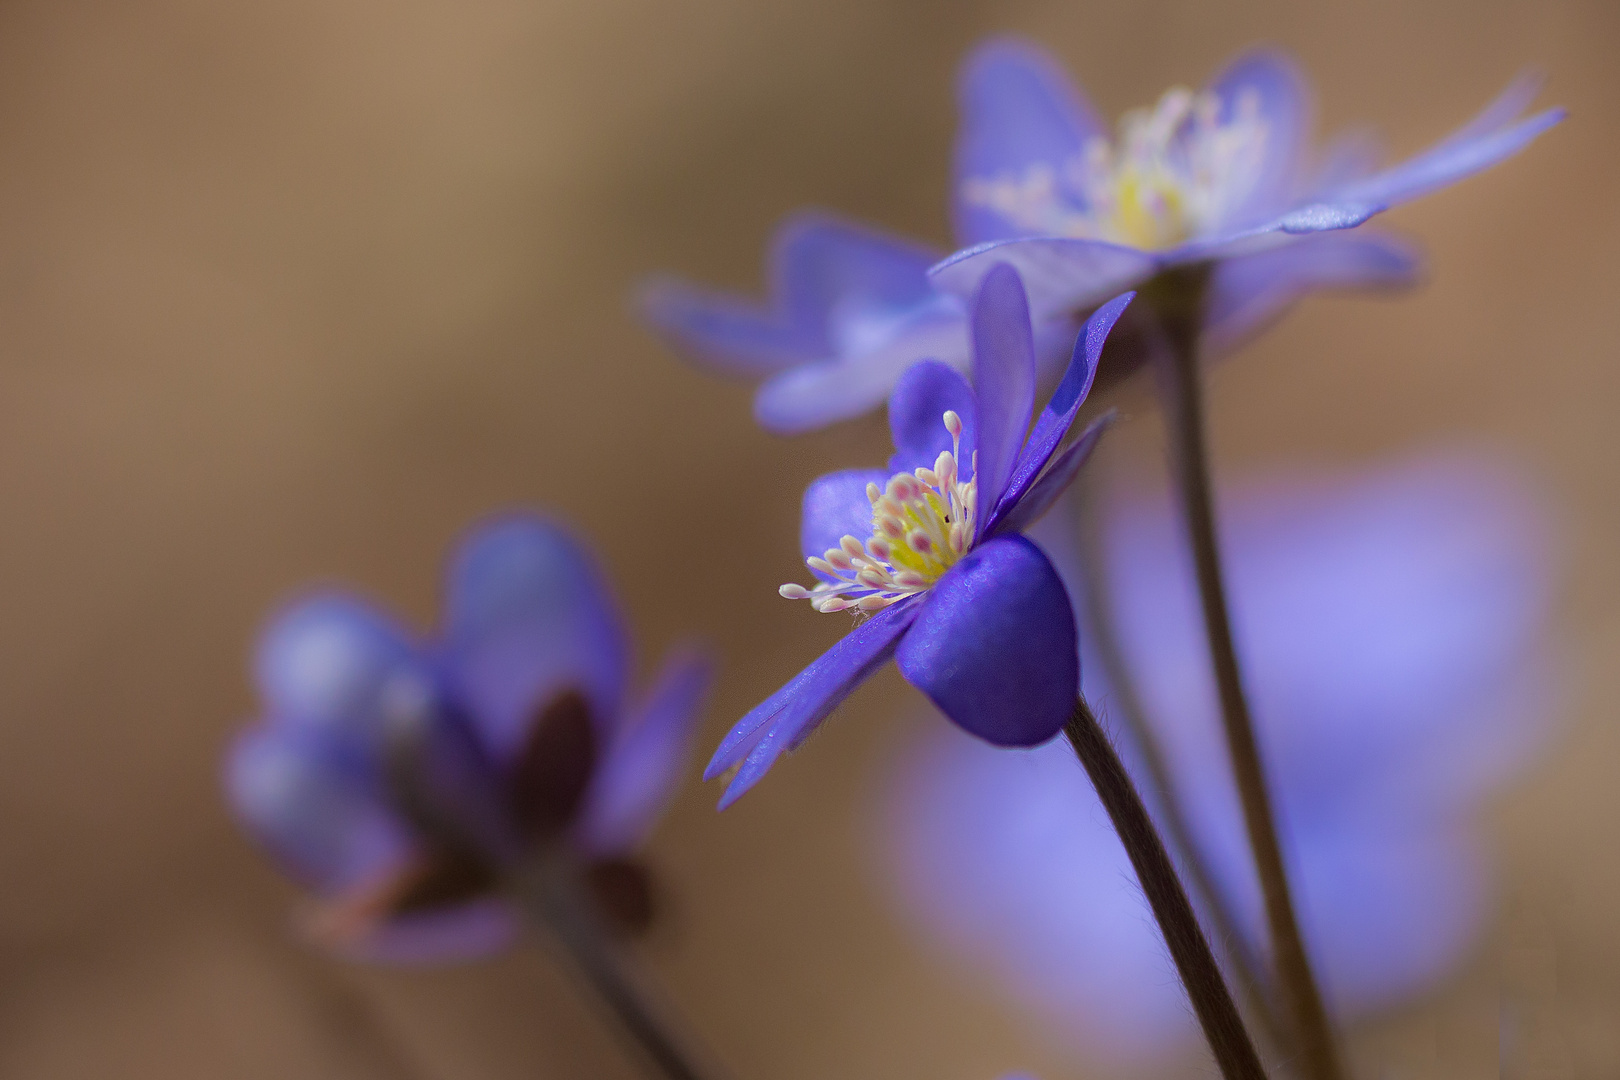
724, 334
1062, 277
1274, 82
1448, 162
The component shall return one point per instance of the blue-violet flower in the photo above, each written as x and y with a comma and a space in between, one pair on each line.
523, 740
973, 612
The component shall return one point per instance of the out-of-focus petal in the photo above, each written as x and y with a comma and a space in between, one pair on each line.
836, 506
527, 617
641, 771
323, 817
722, 333
1003, 379
1019, 110
1274, 83
784, 719
334, 662
1055, 420
827, 272
1503, 110
1250, 291
876, 352
1038, 498
1448, 162
464, 932
917, 416
995, 645
1345, 157
1061, 276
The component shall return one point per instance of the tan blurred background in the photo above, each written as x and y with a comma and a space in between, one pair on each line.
294, 290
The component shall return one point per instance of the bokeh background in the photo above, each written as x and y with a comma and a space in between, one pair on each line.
294, 291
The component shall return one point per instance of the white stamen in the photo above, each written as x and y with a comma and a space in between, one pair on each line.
794, 592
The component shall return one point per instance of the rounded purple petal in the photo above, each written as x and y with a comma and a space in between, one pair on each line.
995, 646
528, 616
1003, 379
917, 414
836, 506
828, 273
1273, 83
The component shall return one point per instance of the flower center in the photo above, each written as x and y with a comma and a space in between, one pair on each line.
1176, 172
922, 523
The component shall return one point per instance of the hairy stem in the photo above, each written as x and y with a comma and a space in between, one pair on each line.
1212, 1002
1127, 705
1177, 300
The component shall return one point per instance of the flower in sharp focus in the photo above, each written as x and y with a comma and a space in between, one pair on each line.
973, 612
521, 740
1222, 175
1389, 625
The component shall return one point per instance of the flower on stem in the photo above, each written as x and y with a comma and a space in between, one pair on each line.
1390, 626
973, 611
1221, 176
522, 740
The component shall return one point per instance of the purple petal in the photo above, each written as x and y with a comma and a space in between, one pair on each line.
1274, 82
1055, 420
787, 716
828, 273
322, 816
641, 771
527, 617
723, 334
1346, 157
1038, 498
1507, 107
877, 351
995, 645
1450, 161
1019, 110
1003, 379
465, 932
836, 506
1062, 277
917, 416
333, 662
1248, 292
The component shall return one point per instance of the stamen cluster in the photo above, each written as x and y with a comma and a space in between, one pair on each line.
922, 523
1177, 171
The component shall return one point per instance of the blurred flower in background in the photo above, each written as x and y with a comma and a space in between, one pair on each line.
1390, 623
1225, 174
521, 739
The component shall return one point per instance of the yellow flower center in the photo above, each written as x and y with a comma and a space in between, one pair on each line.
922, 523
1177, 171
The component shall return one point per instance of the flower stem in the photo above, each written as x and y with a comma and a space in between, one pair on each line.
1211, 1001
551, 896
1177, 300
1127, 705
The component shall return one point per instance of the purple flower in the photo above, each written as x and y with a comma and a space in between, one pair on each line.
525, 741
1224, 175
973, 612
1389, 628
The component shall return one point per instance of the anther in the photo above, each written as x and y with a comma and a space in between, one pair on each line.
852, 547
794, 592
839, 560
953, 423
817, 563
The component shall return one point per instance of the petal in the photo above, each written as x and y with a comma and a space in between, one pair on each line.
917, 416
333, 662
1052, 426
1062, 277
1273, 82
1450, 161
828, 275
784, 719
1003, 379
1346, 157
1507, 107
322, 816
1019, 110
1039, 497
528, 617
642, 770
995, 646
1249, 292
720, 333
815, 395
836, 506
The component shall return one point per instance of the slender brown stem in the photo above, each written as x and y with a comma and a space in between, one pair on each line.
1127, 706
1177, 301
1206, 988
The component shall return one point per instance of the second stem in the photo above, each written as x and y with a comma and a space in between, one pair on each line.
1177, 301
